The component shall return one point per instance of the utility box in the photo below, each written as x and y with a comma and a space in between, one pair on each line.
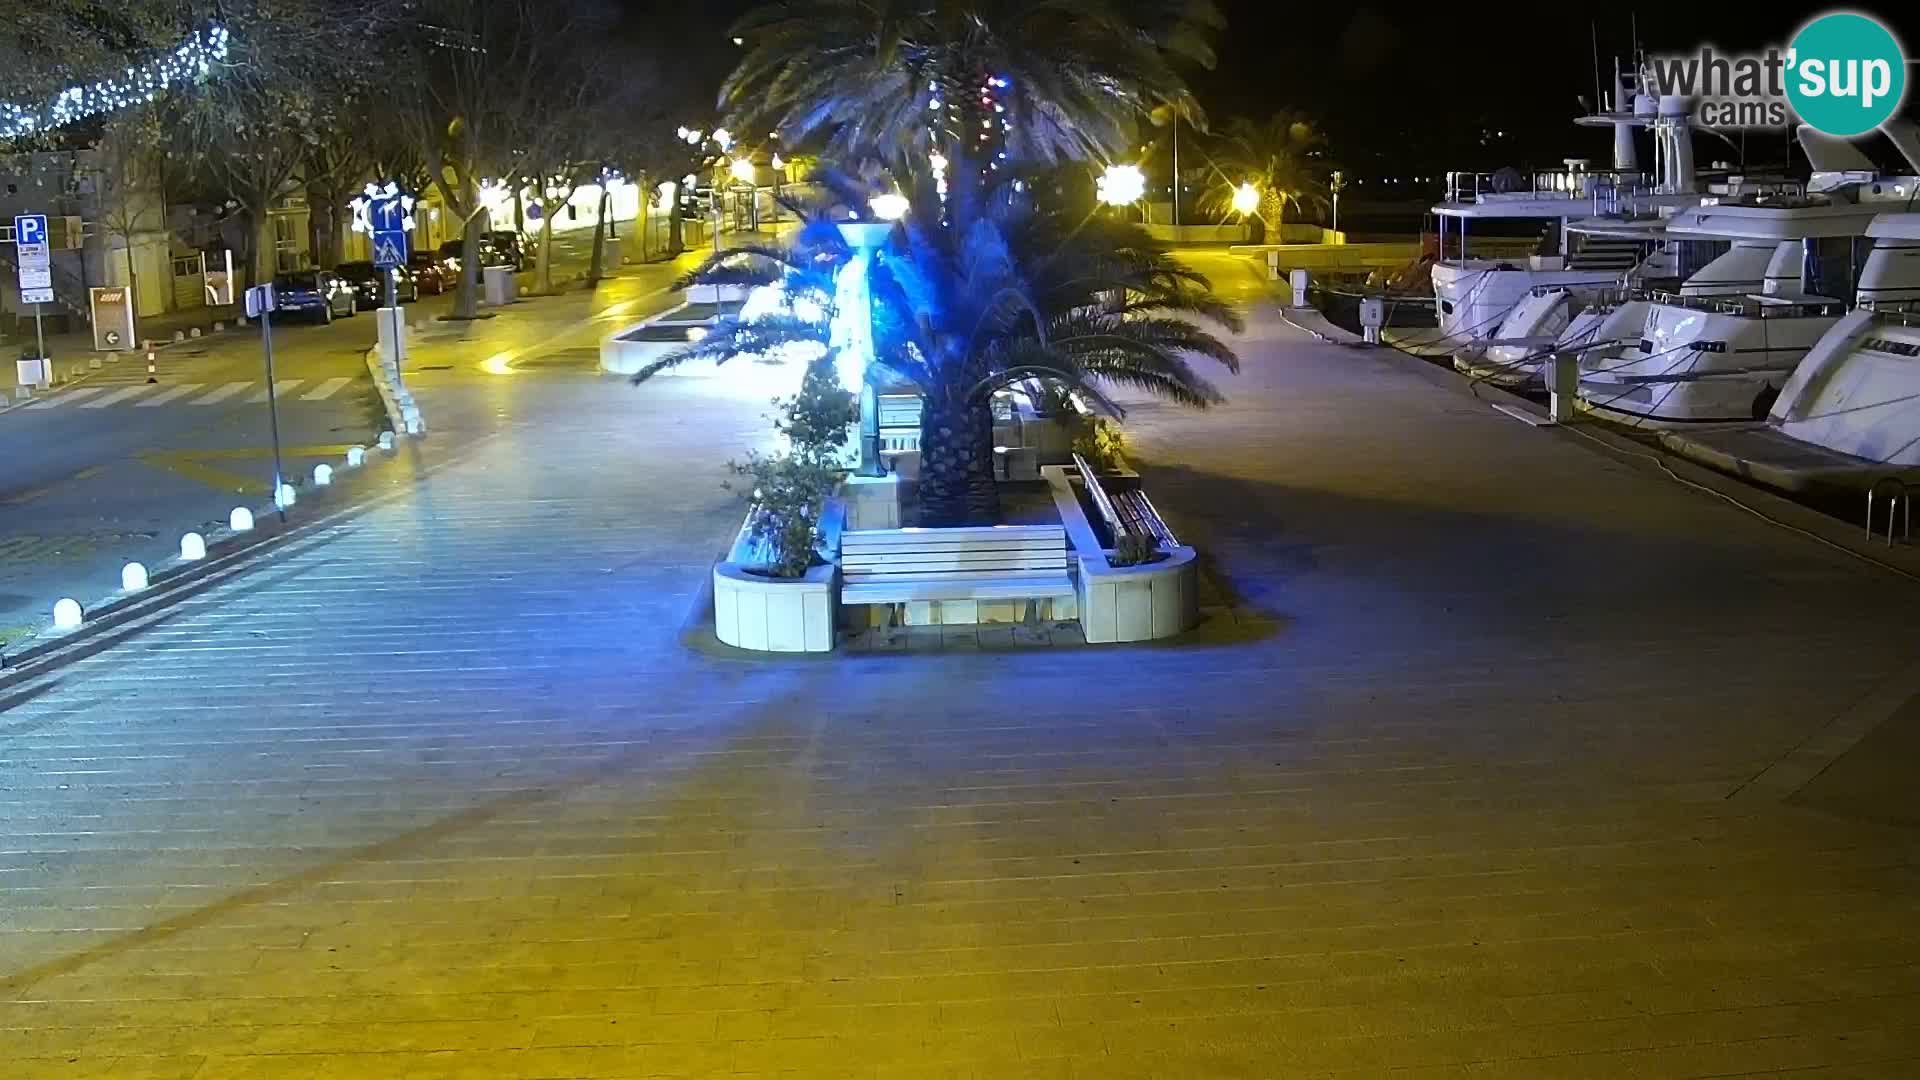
33, 371
1273, 266
1373, 315
609, 254
1563, 386
1300, 280
497, 285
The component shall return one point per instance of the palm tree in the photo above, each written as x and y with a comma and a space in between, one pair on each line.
983, 289
1279, 158
1043, 80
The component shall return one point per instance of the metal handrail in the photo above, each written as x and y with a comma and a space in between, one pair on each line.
1748, 307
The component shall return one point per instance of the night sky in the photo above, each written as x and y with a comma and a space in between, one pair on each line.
1404, 88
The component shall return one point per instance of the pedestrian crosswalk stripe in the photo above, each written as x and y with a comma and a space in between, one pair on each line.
221, 394
71, 395
117, 396
281, 388
325, 390
168, 394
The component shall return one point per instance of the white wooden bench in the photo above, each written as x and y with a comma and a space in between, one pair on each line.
1003, 562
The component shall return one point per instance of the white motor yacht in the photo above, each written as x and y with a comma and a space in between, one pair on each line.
1850, 414
1706, 355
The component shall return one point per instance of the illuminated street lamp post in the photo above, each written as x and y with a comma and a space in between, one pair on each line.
1338, 183
1121, 185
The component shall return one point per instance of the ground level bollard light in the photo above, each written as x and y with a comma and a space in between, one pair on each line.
67, 614
193, 547
386, 440
133, 577
285, 497
356, 456
241, 520
322, 475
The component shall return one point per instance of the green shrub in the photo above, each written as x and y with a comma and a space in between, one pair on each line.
788, 488
1098, 439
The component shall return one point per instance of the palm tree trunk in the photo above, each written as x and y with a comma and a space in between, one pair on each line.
1273, 214
956, 464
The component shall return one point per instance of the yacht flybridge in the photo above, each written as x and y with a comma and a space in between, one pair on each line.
1474, 294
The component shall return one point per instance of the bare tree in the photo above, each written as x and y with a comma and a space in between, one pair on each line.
126, 173
254, 125
490, 79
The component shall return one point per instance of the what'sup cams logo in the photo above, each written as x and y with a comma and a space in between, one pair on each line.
1844, 73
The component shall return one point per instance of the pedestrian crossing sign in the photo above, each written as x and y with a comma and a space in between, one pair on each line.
389, 248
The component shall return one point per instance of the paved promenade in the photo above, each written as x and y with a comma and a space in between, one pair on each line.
1482, 787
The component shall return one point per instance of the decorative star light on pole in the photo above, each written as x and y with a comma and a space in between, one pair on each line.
363, 205
192, 60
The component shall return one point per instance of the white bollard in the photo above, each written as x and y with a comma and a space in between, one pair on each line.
356, 456
219, 327
94, 363
322, 475
241, 520
386, 440
179, 335
133, 577
193, 547
67, 614
285, 497
194, 333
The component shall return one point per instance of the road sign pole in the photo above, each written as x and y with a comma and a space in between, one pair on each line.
39, 336
273, 409
393, 305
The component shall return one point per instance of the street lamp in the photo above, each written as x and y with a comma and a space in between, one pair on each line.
1339, 182
742, 170
889, 207
1121, 185
1246, 198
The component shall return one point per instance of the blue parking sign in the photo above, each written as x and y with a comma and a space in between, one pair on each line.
30, 230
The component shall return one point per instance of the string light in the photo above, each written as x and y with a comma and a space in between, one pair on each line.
191, 61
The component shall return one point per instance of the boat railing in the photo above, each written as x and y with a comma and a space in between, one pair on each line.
1606, 188
1750, 307
1894, 312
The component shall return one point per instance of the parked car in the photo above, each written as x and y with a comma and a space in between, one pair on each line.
430, 275
498, 248
370, 285
319, 293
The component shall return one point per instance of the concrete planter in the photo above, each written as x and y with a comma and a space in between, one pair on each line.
1125, 603
629, 350
765, 614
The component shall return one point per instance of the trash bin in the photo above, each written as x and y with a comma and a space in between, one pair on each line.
610, 254
497, 285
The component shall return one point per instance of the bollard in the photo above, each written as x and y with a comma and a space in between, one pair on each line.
150, 364
179, 335
133, 577
194, 333
193, 547
219, 327
322, 475
241, 520
386, 440
356, 456
67, 614
285, 497
94, 363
